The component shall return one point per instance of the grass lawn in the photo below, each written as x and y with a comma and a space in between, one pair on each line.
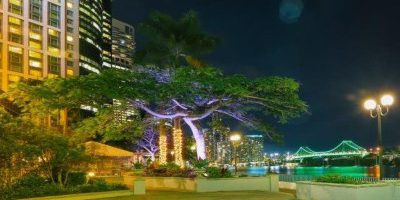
247, 195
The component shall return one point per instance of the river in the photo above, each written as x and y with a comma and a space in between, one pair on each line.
390, 172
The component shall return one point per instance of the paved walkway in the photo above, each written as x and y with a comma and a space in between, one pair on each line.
87, 196
248, 195
127, 195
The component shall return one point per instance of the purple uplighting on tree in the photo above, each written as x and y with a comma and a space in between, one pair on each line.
149, 142
193, 94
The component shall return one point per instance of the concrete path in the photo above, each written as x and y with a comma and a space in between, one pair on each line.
248, 195
127, 195
88, 196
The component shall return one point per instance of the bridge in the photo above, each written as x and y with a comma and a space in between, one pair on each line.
345, 148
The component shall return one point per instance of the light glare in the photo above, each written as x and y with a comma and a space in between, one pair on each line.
235, 137
370, 104
387, 100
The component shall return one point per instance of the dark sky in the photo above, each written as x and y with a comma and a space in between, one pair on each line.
341, 51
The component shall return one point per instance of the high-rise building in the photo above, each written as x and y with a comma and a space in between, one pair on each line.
123, 44
38, 39
251, 149
218, 147
94, 35
53, 38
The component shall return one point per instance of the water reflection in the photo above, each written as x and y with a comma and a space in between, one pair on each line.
390, 172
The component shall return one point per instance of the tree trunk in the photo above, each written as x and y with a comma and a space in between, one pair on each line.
163, 143
199, 137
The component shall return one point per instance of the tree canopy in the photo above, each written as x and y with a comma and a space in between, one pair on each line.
190, 93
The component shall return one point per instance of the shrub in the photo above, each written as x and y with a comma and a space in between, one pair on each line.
169, 170
35, 186
31, 180
138, 165
76, 178
215, 172
200, 164
339, 179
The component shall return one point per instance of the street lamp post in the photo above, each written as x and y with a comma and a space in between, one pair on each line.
235, 139
379, 110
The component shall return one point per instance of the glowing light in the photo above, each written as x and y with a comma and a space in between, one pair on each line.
178, 143
162, 144
235, 137
387, 100
370, 104
70, 38
91, 174
345, 148
193, 147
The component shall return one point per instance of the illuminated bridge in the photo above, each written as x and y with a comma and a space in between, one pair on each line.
345, 148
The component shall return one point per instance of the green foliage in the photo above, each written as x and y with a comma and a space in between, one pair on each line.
27, 148
339, 179
76, 178
168, 170
138, 165
267, 96
171, 42
104, 126
200, 164
36, 186
215, 172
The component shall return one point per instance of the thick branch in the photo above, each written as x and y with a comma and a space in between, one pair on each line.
179, 104
204, 115
244, 120
155, 114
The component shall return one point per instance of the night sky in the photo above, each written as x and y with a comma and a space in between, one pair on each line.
341, 51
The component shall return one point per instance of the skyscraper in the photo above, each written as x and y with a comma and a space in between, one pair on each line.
38, 39
251, 149
123, 44
94, 35
218, 147
53, 38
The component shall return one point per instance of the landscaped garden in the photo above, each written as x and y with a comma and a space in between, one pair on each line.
44, 144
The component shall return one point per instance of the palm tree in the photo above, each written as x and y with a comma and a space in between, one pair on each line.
173, 43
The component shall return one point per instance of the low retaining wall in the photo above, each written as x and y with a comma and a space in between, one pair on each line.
330, 191
287, 185
265, 183
170, 184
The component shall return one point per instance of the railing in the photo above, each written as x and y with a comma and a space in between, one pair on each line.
295, 178
391, 179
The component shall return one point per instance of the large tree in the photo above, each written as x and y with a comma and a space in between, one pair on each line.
189, 93
28, 148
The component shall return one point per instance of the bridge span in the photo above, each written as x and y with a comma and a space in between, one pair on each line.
345, 148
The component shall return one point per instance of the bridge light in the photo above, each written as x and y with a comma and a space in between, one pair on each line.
387, 100
370, 104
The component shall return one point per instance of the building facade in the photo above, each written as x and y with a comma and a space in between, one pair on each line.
218, 147
38, 39
251, 149
53, 38
95, 41
123, 44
